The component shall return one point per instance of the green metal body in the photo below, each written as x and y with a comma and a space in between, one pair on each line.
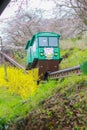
43, 46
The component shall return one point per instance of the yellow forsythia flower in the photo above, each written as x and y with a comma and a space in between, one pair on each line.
19, 82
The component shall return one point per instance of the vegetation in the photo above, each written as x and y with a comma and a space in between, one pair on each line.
52, 105
83, 67
20, 55
79, 42
73, 51
72, 90
65, 15
19, 82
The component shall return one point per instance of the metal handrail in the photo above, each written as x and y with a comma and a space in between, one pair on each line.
65, 70
12, 61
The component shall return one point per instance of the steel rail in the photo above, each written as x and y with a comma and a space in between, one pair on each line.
65, 72
52, 75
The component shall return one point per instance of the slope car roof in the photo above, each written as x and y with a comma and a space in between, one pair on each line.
40, 34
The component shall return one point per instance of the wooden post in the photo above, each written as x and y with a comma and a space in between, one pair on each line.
5, 69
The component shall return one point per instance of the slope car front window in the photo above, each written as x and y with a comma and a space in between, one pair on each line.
53, 41
43, 41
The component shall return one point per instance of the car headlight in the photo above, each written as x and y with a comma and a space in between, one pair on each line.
41, 53
56, 54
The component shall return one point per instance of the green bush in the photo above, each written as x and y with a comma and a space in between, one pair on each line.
83, 67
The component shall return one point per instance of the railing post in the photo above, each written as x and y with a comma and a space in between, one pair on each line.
5, 68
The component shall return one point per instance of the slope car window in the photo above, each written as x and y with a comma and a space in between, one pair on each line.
43, 41
53, 41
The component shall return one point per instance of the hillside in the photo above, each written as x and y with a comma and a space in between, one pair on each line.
55, 105
65, 109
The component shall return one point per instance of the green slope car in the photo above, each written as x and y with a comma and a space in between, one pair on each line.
43, 52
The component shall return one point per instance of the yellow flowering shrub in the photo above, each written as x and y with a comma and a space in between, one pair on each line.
19, 82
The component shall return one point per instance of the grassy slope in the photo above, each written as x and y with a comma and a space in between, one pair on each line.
12, 106
7, 105
67, 95
61, 105
74, 52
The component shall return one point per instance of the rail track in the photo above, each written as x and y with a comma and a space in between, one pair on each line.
52, 75
65, 72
